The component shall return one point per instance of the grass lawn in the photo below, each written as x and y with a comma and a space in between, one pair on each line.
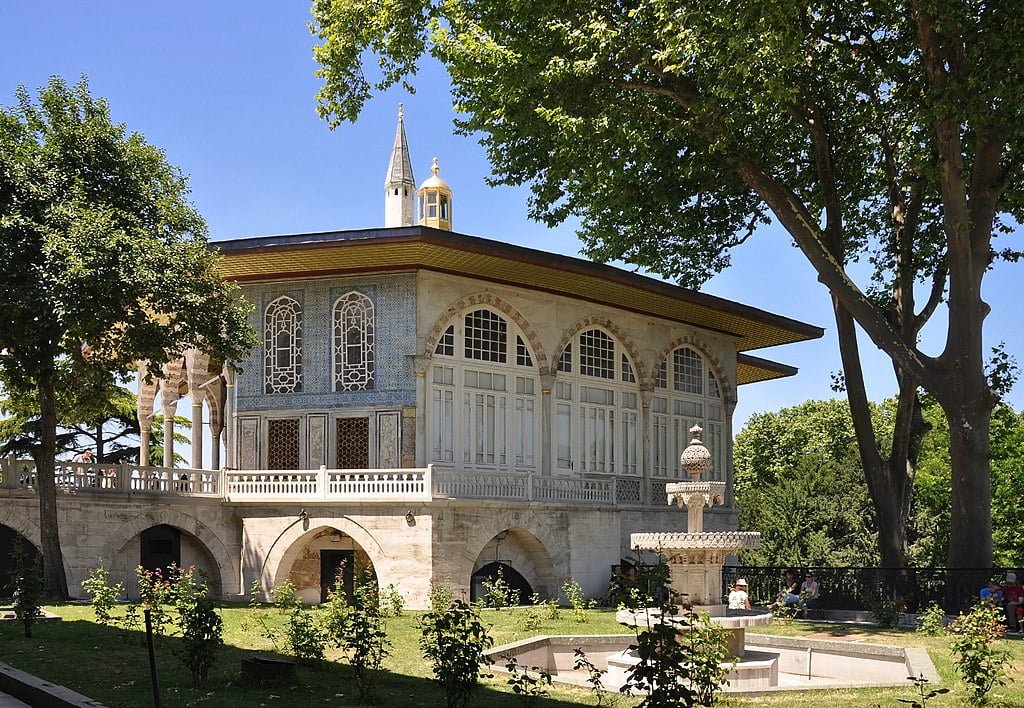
94, 660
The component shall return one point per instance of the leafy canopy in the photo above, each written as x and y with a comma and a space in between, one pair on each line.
103, 261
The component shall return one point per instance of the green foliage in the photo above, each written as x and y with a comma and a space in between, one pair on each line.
453, 640
498, 593
581, 662
441, 595
886, 611
581, 606
391, 602
154, 593
921, 683
303, 636
333, 614
932, 621
26, 588
661, 675
707, 648
529, 687
201, 627
977, 660
365, 641
286, 596
103, 263
102, 594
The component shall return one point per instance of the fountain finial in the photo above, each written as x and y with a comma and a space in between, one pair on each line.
696, 458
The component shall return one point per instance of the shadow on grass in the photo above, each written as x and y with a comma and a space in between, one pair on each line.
111, 666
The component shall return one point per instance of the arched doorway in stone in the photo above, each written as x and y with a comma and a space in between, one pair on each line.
321, 557
11, 542
523, 560
159, 546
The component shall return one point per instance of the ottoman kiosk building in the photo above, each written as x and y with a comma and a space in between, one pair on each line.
430, 406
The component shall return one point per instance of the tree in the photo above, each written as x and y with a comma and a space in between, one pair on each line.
103, 263
889, 131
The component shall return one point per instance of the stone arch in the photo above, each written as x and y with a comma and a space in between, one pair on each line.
528, 553
189, 524
290, 542
20, 520
489, 299
615, 331
697, 344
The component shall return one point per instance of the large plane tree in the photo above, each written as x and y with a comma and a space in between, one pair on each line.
103, 263
886, 131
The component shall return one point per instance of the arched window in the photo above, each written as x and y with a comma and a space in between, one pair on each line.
596, 408
484, 389
686, 393
353, 343
282, 346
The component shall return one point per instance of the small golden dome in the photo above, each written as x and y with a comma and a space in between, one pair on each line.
435, 182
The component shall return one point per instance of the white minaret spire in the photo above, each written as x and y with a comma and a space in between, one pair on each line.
399, 185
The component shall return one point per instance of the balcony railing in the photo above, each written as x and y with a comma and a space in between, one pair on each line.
398, 485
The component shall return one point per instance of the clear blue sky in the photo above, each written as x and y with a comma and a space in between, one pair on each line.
226, 89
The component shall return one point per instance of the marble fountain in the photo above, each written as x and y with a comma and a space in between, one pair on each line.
695, 559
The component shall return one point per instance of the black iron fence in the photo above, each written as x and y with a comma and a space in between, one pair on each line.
847, 588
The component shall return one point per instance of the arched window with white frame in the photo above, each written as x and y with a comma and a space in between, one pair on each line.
596, 408
282, 346
484, 396
353, 342
686, 393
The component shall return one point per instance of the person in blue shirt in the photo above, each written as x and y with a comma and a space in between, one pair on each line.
992, 592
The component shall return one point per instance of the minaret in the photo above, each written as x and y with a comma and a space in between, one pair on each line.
435, 197
399, 185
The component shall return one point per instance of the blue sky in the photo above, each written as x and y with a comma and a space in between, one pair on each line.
226, 89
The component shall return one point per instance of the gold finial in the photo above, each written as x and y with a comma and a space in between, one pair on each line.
401, 112
434, 168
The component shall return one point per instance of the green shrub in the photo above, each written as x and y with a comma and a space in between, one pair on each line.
154, 593
441, 595
581, 662
366, 641
453, 640
26, 588
932, 621
333, 615
302, 635
977, 661
391, 602
707, 649
201, 626
524, 684
102, 594
286, 596
498, 593
577, 599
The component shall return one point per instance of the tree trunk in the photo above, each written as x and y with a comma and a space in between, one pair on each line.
888, 491
970, 529
55, 582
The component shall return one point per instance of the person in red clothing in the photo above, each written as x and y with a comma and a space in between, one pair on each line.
1013, 596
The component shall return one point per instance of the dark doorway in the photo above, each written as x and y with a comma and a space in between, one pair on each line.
9, 540
491, 572
333, 563
160, 546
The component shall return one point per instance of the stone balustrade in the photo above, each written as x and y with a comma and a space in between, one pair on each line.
368, 485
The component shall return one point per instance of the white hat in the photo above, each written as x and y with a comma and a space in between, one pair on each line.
742, 582
1011, 577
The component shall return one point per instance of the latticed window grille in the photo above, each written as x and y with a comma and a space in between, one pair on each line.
486, 337
282, 346
353, 343
283, 444
688, 371
597, 354
690, 402
522, 353
352, 443
446, 344
627, 371
565, 359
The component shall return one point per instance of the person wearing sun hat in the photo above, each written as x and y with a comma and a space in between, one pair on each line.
738, 598
1013, 596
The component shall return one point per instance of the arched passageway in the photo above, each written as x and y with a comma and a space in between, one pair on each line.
11, 542
523, 560
156, 548
319, 557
